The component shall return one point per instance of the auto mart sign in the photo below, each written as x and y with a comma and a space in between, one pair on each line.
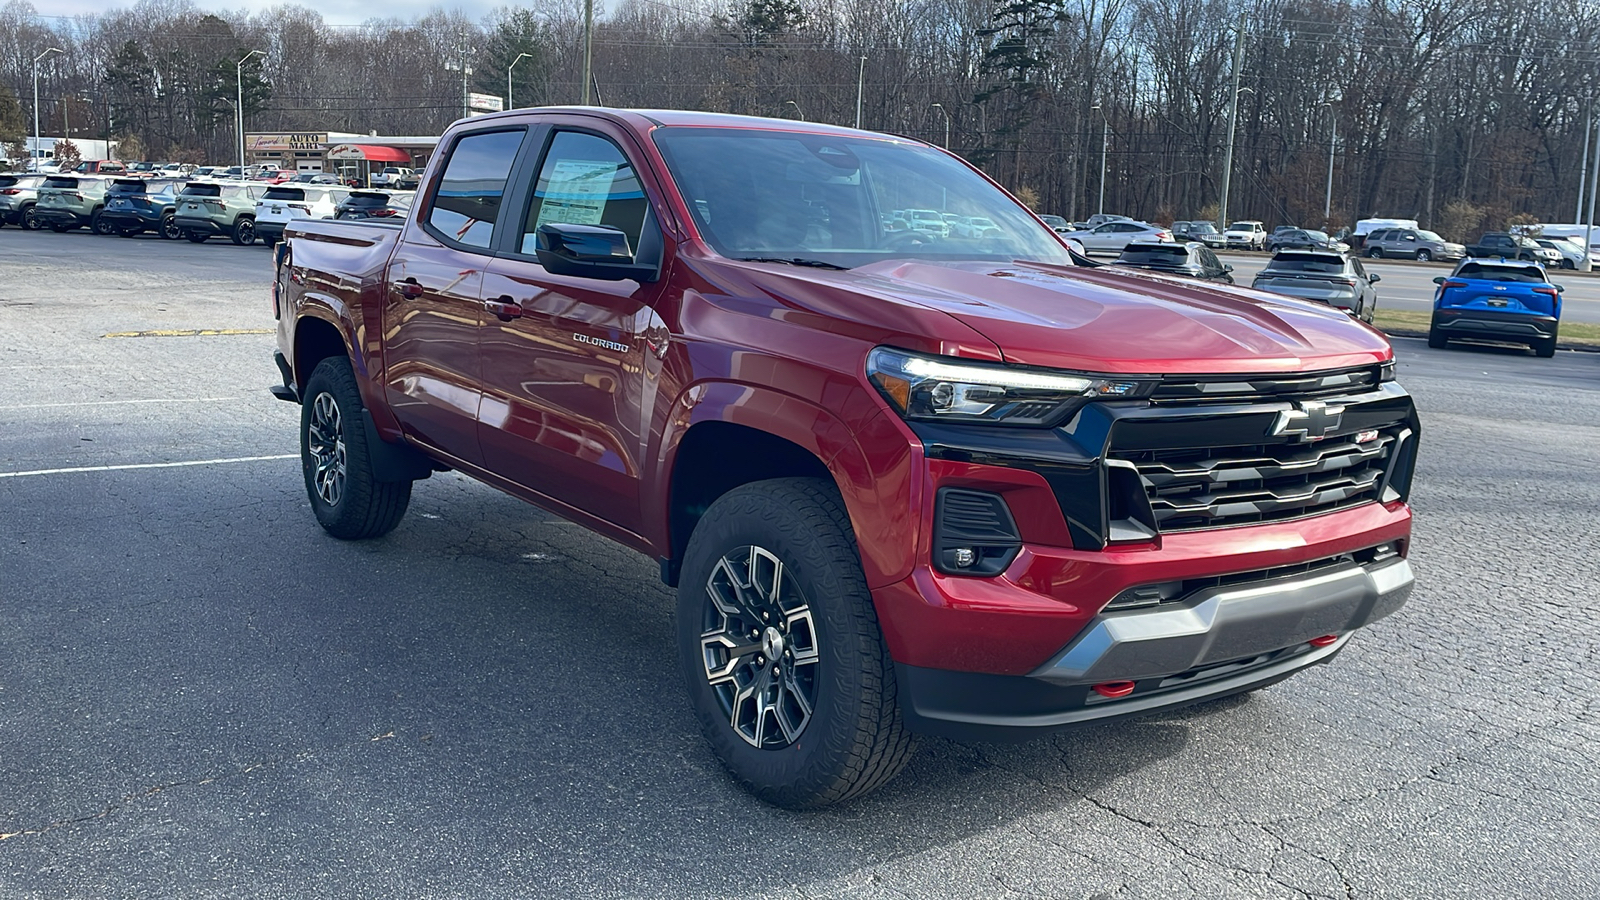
267, 143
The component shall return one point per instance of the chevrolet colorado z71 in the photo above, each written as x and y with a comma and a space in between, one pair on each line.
901, 481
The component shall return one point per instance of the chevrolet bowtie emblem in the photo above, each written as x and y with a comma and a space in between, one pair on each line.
1313, 421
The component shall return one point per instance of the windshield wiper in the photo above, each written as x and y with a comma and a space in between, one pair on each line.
793, 261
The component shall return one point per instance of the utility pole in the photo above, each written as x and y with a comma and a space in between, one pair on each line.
861, 83
1333, 138
588, 48
461, 51
1588, 123
1233, 123
1588, 232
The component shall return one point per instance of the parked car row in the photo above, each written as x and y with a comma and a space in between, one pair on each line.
196, 209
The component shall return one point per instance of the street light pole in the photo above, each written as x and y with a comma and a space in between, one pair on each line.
940, 108
1233, 123
520, 58
1327, 204
1105, 145
861, 84
37, 149
797, 110
588, 47
238, 82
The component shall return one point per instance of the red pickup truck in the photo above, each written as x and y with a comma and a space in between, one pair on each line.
903, 480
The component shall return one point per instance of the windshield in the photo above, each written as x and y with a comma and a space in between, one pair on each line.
1202, 228
1430, 236
833, 197
1243, 226
1318, 235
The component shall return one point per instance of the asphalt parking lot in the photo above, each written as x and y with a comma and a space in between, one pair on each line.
204, 696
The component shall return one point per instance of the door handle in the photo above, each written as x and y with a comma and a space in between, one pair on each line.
409, 288
504, 307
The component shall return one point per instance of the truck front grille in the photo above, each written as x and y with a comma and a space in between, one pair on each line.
1214, 487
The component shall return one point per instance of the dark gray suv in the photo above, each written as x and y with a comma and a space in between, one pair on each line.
1411, 243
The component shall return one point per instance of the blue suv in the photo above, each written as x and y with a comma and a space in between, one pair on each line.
1498, 300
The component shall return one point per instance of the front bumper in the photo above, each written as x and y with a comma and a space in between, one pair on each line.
1188, 550
1471, 323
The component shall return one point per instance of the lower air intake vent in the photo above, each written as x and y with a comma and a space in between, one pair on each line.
973, 533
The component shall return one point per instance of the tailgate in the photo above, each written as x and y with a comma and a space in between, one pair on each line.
1490, 296
1311, 288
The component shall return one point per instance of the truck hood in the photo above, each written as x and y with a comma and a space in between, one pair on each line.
1104, 320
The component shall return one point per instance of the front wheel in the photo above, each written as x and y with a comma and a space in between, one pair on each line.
781, 649
1568, 264
1375, 253
99, 224
244, 232
349, 502
169, 227
30, 222
1424, 256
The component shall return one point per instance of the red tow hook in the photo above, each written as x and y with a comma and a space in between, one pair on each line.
1323, 641
1114, 689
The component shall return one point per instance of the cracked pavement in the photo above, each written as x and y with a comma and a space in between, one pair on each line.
203, 696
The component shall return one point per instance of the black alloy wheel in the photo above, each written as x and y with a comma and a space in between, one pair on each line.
244, 231
99, 224
781, 650
169, 227
349, 501
30, 221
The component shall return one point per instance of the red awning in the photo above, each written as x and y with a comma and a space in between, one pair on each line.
369, 152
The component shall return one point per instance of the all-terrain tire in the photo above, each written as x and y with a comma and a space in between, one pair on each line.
853, 738
348, 501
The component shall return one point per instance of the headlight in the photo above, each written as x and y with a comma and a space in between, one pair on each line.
946, 389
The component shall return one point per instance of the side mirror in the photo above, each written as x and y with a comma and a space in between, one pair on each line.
1227, 267
1438, 279
1560, 289
599, 251
1374, 278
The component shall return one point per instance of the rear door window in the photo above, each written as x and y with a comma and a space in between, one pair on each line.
466, 202
585, 180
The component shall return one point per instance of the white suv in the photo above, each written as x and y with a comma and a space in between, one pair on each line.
284, 203
1248, 234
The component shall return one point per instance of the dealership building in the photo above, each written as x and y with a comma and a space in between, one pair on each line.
332, 151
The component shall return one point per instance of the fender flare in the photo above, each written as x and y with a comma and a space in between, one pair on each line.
828, 438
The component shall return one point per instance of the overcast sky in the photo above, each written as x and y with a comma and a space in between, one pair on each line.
334, 12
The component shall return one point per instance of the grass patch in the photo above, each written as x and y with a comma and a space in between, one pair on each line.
1407, 321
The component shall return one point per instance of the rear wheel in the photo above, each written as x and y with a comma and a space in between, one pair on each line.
781, 648
1545, 348
244, 232
1437, 340
349, 502
1424, 256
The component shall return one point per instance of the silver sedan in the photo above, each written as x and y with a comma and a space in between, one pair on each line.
1111, 237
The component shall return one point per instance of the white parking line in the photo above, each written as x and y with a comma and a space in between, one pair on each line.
116, 402
167, 465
